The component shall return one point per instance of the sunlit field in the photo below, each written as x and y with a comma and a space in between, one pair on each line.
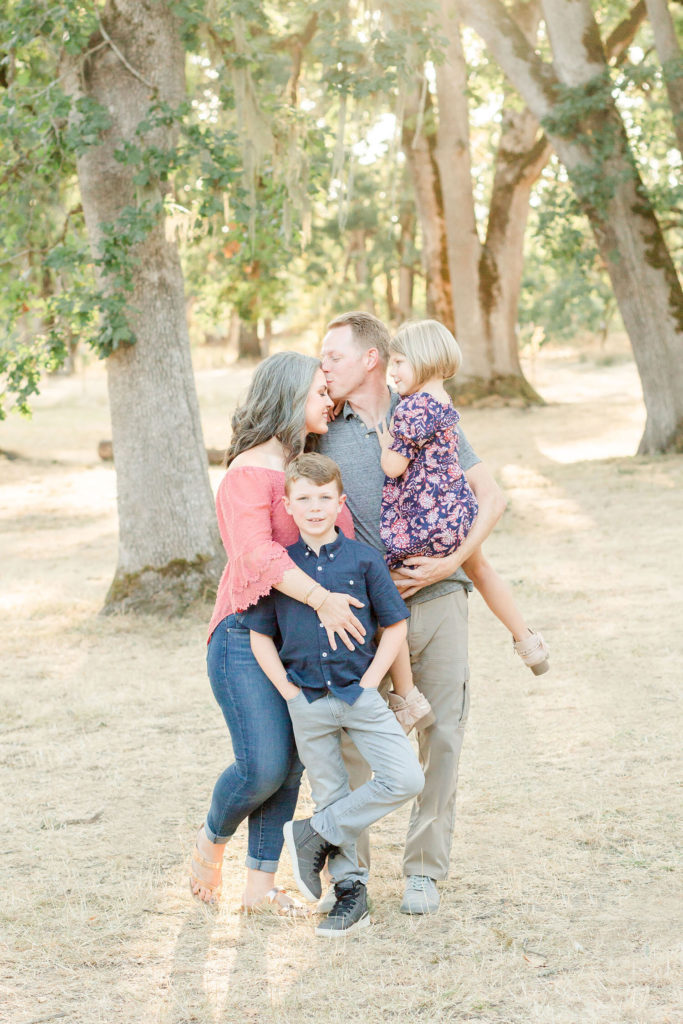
562, 906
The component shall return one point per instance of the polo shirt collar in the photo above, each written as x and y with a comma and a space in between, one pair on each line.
329, 551
348, 413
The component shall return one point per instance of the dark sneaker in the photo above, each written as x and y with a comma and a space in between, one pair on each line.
309, 852
349, 913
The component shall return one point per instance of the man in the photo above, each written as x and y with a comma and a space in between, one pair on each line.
354, 361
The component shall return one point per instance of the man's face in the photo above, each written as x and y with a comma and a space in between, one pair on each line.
344, 364
314, 507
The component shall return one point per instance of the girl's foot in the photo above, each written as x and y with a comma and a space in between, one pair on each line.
206, 869
533, 651
412, 711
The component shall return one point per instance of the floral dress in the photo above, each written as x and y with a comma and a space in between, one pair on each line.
429, 510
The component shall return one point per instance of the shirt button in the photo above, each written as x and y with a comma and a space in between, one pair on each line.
351, 582
331, 556
328, 683
324, 654
320, 568
321, 625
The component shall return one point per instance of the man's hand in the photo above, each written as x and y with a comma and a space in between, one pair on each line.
419, 572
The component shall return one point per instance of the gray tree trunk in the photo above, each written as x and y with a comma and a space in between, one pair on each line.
418, 141
623, 221
168, 538
669, 53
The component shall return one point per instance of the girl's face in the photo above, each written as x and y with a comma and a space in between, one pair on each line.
318, 404
402, 374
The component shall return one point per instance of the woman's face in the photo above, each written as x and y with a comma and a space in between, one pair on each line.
318, 405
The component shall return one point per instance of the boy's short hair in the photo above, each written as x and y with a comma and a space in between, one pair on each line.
430, 348
313, 466
367, 331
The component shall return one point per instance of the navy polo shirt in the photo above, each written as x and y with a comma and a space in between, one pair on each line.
346, 567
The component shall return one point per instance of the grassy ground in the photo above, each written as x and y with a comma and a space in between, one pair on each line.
561, 906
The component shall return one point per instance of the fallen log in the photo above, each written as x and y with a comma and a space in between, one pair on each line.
215, 456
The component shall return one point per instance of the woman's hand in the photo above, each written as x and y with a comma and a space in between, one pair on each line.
419, 571
337, 617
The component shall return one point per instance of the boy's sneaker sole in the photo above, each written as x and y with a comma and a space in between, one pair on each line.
288, 832
339, 933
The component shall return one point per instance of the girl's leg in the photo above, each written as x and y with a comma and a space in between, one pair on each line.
412, 709
401, 672
262, 783
496, 593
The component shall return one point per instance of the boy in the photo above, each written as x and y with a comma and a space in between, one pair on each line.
333, 690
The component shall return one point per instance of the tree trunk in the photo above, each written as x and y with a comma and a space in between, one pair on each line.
168, 536
406, 252
485, 279
248, 344
669, 53
419, 141
455, 173
613, 196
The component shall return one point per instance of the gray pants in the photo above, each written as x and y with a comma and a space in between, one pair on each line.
437, 637
340, 813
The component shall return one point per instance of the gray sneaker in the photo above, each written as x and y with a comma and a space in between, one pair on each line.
421, 896
349, 913
309, 852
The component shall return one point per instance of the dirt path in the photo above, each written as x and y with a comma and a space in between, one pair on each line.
562, 903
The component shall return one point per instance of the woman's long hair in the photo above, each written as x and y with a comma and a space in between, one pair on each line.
275, 405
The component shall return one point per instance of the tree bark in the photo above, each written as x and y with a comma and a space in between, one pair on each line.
419, 141
248, 344
669, 53
168, 536
621, 216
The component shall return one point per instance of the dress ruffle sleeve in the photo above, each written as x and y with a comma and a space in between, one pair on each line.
412, 426
255, 561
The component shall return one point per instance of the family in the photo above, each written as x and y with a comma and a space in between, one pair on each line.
353, 517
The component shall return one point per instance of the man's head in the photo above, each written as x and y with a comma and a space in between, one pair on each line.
313, 495
355, 348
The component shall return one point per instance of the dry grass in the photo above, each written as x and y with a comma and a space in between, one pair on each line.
561, 906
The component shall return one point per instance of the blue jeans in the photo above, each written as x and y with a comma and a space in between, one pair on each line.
263, 782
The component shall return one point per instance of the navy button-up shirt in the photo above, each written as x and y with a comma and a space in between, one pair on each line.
346, 567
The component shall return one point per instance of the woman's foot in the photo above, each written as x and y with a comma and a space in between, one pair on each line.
412, 711
206, 869
276, 901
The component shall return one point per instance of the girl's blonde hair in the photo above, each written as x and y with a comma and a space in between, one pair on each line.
430, 348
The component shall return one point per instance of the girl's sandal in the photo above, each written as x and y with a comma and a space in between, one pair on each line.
277, 902
213, 888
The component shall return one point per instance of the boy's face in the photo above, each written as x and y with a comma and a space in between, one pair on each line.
314, 507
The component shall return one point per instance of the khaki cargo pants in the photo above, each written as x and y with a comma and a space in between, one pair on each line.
437, 637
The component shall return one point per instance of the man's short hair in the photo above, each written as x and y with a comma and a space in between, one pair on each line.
313, 466
367, 331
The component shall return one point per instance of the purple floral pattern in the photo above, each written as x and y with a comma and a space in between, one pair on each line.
429, 510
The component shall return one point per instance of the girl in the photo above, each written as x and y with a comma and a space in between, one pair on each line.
427, 505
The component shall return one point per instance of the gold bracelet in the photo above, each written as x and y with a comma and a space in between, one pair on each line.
310, 592
327, 594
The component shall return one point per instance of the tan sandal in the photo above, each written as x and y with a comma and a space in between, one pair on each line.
199, 861
272, 903
533, 650
413, 711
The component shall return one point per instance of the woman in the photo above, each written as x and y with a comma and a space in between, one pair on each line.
287, 401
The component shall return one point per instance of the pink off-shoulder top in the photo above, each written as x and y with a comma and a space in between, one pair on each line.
255, 529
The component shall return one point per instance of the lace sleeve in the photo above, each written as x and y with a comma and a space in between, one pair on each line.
256, 562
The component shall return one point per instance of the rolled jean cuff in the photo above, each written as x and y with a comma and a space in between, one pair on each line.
212, 837
261, 865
